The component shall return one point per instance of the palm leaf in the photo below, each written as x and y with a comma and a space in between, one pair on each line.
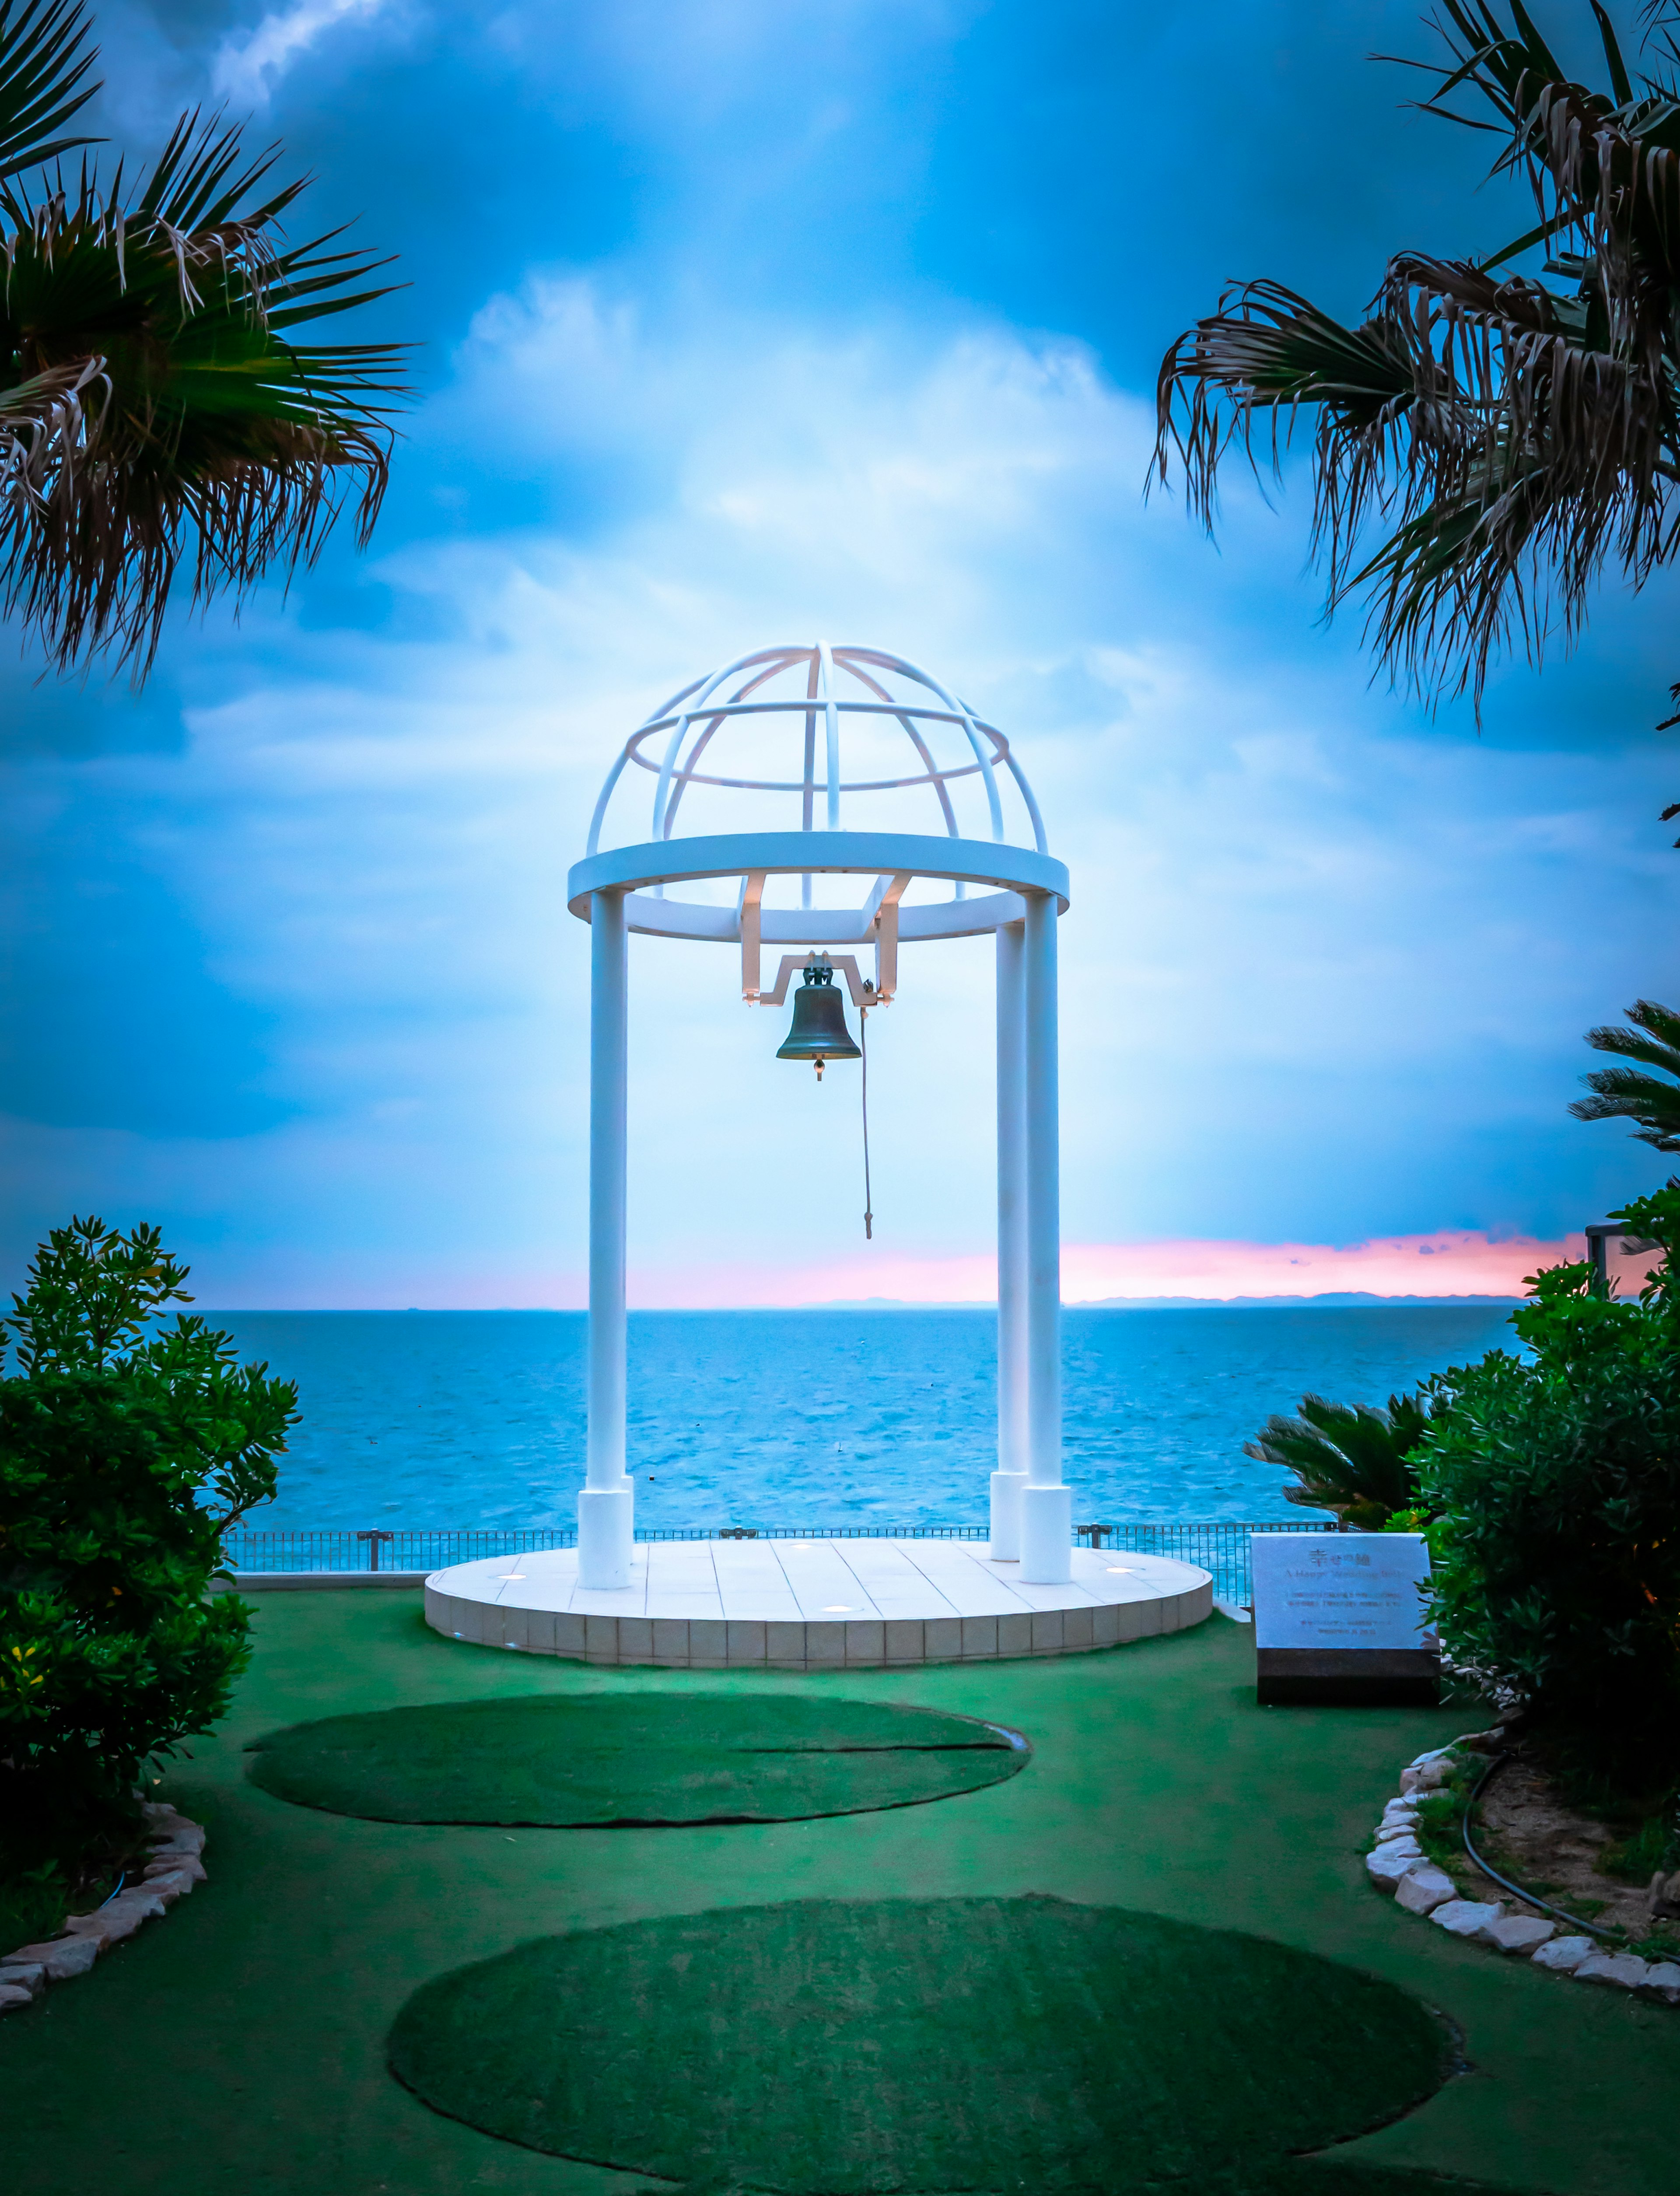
1620, 1093
41, 72
175, 420
1484, 446
1654, 1037
1625, 1094
1350, 1459
1267, 351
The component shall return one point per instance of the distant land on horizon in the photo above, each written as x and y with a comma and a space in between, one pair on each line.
1331, 1300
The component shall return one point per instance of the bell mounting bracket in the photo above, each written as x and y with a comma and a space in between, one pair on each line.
863, 994
880, 915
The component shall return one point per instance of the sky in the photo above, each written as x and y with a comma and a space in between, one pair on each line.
739, 321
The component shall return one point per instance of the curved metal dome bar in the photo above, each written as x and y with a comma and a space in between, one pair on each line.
693, 717
909, 671
661, 794
688, 774
912, 733
1024, 890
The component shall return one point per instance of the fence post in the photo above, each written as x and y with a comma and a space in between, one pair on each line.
1220, 1546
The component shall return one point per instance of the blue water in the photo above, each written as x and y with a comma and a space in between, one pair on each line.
809, 1418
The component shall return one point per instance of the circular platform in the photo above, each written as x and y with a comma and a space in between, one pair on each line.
813, 1604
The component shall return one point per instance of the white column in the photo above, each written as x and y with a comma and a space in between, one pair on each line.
1010, 1476
1046, 1506
606, 1502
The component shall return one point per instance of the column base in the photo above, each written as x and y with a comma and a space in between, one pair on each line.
606, 1535
1006, 1516
1047, 1535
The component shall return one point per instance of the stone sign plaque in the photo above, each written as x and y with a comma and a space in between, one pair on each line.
1337, 1617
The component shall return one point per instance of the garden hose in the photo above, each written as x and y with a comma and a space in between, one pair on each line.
1529, 1897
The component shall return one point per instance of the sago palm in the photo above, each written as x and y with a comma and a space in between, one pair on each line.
1626, 1093
157, 407
1349, 1458
1485, 442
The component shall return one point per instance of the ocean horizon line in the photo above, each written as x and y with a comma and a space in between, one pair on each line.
1327, 1300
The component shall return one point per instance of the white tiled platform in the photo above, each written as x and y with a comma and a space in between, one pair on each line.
813, 1604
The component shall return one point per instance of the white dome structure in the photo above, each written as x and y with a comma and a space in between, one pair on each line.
808, 746
819, 797
813, 714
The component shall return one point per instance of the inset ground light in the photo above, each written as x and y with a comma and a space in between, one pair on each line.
634, 1759
842, 2047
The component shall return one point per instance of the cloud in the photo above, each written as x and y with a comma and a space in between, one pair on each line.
1445, 1265
247, 67
1323, 978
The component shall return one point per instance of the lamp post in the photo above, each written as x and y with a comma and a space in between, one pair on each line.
1599, 1235
1017, 891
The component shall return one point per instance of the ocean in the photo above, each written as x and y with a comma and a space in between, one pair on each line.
809, 1418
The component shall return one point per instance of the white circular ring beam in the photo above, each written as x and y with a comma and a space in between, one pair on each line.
1010, 872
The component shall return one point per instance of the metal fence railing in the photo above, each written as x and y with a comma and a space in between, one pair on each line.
1220, 1546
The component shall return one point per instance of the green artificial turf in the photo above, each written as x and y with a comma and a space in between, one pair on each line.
634, 1761
952, 2044
238, 2047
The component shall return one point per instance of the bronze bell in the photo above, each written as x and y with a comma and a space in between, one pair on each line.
819, 1032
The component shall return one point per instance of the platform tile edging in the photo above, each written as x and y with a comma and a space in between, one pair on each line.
809, 1644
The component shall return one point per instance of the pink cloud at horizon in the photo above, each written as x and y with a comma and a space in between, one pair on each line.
1448, 1263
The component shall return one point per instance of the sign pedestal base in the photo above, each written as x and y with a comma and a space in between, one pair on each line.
1348, 1677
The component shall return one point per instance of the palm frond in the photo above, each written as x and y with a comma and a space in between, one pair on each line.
1654, 1037
1252, 366
217, 441
1624, 1093
1620, 1093
43, 71
1350, 1459
1526, 436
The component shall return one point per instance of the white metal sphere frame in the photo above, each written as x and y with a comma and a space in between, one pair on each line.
1016, 891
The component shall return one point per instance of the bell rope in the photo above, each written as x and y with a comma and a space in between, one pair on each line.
863, 1048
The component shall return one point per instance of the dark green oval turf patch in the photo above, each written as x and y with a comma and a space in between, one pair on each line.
842, 2047
633, 1758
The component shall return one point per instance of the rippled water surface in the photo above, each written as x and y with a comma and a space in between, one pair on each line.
809, 1418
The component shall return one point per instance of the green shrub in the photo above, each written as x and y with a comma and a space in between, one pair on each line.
125, 1452
1641, 1853
33, 1906
1440, 1821
1555, 1479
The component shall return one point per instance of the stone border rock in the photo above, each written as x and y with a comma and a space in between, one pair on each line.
174, 1868
1398, 1864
